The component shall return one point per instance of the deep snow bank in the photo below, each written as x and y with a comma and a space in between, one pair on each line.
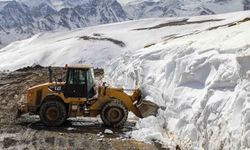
202, 80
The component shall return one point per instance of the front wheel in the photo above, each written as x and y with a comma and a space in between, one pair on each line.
53, 113
114, 114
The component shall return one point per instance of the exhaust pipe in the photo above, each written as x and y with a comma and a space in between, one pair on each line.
50, 74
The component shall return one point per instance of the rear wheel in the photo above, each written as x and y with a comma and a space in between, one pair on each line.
114, 114
53, 113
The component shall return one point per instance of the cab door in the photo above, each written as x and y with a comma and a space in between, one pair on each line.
76, 84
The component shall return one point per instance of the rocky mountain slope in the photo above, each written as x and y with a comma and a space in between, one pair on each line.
169, 8
22, 19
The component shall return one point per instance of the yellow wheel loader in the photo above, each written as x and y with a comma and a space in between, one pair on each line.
56, 101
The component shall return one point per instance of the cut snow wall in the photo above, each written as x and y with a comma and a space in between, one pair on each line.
202, 85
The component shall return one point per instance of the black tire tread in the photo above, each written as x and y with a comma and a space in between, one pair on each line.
118, 104
63, 113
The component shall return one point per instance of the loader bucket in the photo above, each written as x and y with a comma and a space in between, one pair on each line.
148, 108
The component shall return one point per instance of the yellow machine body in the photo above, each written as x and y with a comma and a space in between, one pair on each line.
41, 93
55, 101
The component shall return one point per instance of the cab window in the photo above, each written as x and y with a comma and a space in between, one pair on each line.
76, 77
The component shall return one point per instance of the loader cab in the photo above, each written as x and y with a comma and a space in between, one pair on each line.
79, 82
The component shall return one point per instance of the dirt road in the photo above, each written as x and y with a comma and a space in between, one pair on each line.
29, 133
75, 134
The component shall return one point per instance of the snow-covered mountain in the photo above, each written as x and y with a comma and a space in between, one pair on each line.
23, 18
169, 8
20, 19
57, 4
196, 67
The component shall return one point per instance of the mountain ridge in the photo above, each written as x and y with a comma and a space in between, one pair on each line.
19, 21
22, 19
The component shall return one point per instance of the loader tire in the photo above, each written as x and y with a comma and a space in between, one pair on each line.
114, 114
53, 113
